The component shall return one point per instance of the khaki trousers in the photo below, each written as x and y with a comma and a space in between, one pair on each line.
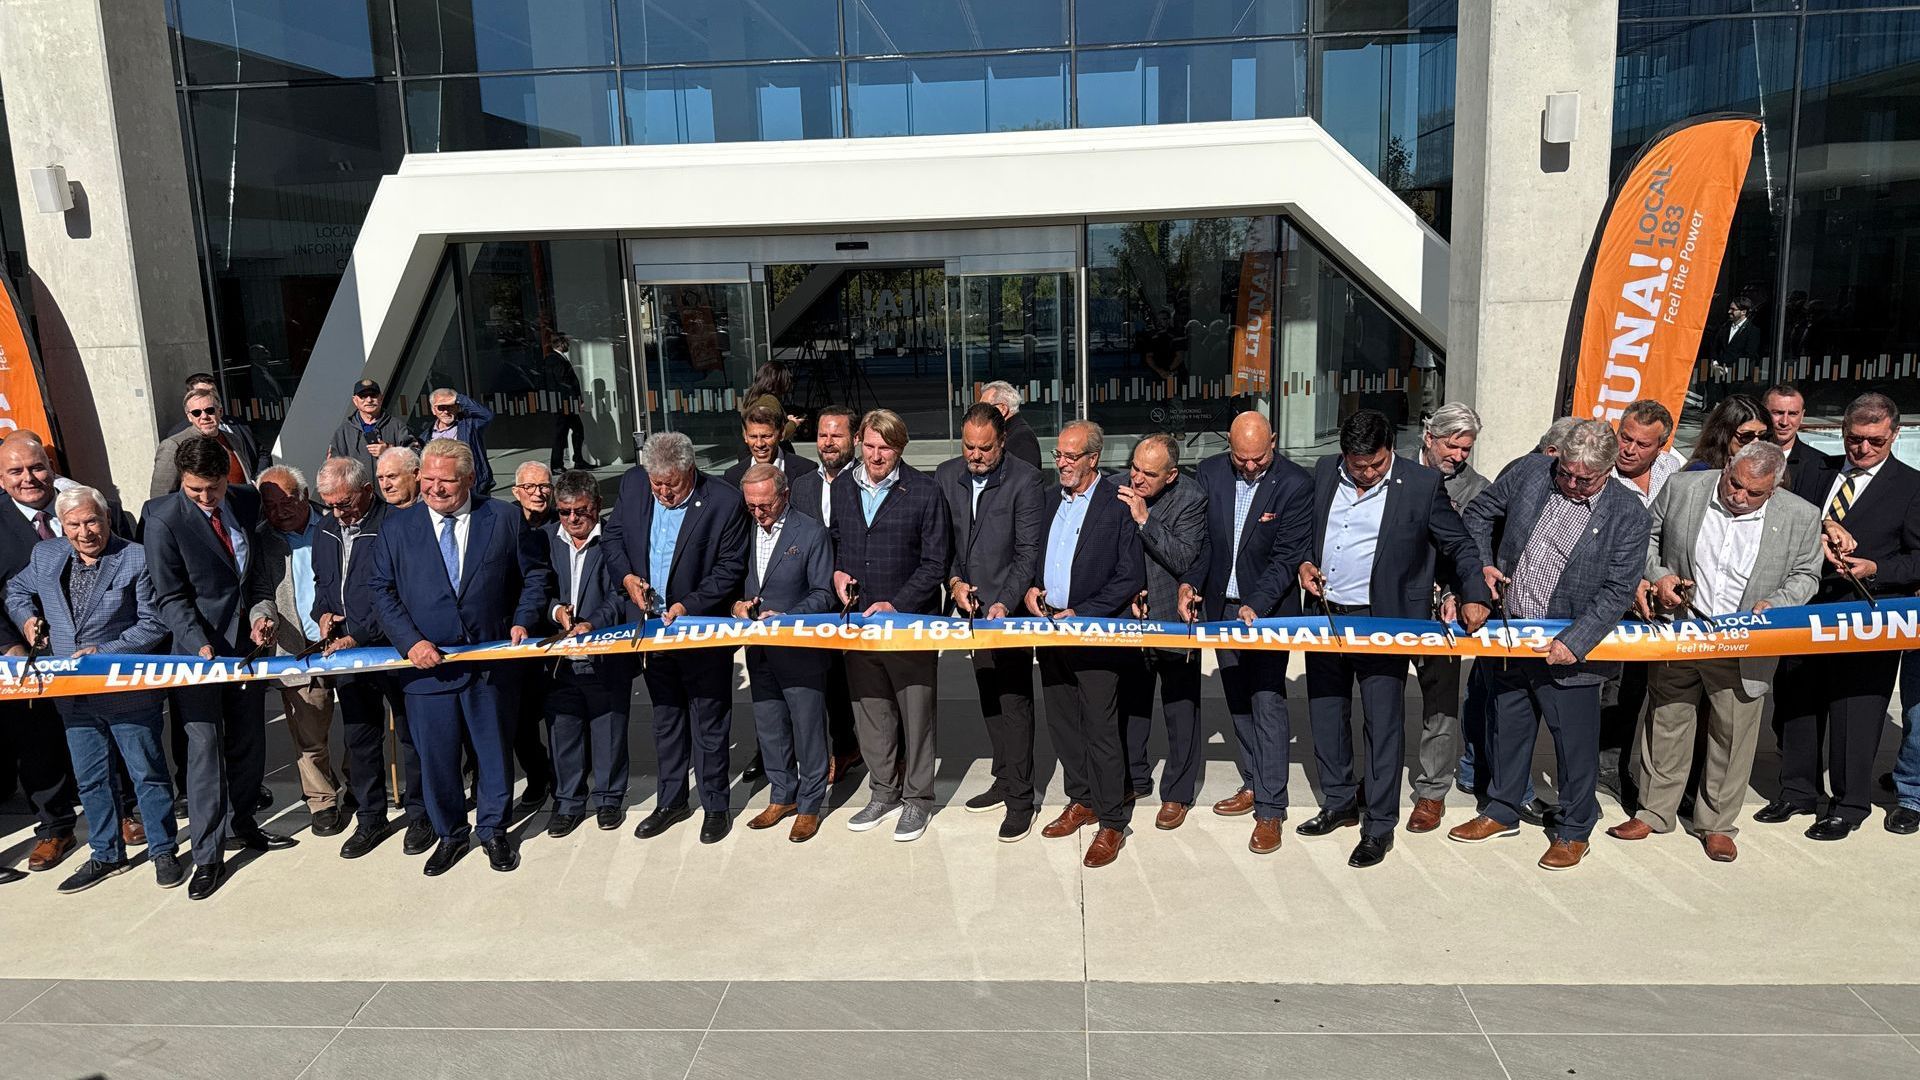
309, 720
1676, 692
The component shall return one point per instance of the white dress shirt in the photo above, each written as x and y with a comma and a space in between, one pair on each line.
462, 522
1860, 483
576, 567
765, 543
826, 498
30, 513
1723, 556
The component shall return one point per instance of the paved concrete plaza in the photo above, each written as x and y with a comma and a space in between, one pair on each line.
957, 956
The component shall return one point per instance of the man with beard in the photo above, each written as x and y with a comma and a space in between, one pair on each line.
811, 493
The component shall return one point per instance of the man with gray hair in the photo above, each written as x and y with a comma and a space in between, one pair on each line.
398, 475
454, 415
1022, 443
676, 544
1572, 546
1721, 543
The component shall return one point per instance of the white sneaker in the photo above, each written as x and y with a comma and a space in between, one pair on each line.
872, 814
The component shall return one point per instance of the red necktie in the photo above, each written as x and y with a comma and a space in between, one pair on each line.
220, 530
40, 525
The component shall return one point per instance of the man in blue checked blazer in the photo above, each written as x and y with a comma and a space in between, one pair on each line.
890, 540
789, 572
1572, 546
457, 569
680, 537
1259, 523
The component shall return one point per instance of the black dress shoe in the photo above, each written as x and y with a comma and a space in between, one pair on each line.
1538, 813
1779, 810
609, 817
714, 826
266, 796
1886, 783
1904, 820
1831, 828
9, 875
1326, 821
257, 839
445, 856
1370, 850
534, 799
366, 836
167, 871
329, 822
755, 770
660, 821
206, 879
419, 839
562, 824
500, 853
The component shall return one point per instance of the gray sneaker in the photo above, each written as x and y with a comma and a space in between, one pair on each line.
872, 814
912, 823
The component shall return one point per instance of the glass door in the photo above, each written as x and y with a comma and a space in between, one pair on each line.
702, 330
1012, 319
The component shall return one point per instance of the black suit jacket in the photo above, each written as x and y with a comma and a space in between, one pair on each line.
1810, 473
1109, 567
805, 491
1278, 536
1022, 443
1885, 523
997, 550
797, 467
345, 594
1418, 526
709, 559
902, 557
203, 597
601, 602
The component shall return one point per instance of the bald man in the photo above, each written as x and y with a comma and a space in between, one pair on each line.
1260, 528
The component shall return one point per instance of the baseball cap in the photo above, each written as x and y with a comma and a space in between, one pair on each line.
366, 387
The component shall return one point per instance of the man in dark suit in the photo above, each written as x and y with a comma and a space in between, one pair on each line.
201, 542
1022, 443
31, 733
993, 502
343, 606
1809, 472
760, 432
1259, 523
457, 569
790, 572
890, 538
811, 493
1572, 546
588, 696
205, 419
679, 537
1379, 523
1875, 497
1171, 515
1091, 566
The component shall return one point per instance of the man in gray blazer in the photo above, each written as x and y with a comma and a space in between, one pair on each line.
993, 503
1172, 519
789, 572
1573, 548
1722, 543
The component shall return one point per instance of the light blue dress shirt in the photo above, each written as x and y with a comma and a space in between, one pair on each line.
873, 494
1353, 534
1063, 537
241, 549
662, 539
1243, 492
300, 566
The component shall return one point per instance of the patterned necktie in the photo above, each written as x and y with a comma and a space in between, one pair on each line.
1843, 499
41, 527
220, 530
450, 553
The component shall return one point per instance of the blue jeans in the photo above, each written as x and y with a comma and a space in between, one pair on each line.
91, 740
1906, 770
1473, 735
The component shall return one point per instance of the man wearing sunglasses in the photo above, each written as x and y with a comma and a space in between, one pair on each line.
205, 418
454, 415
1572, 546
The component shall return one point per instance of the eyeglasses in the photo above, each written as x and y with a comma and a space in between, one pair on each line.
1059, 455
533, 487
576, 511
213, 410
1578, 483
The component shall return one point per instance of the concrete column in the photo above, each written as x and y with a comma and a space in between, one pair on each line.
115, 281
1524, 211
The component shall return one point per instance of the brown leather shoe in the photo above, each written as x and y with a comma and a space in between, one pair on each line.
1426, 815
132, 832
773, 815
1241, 803
47, 853
1631, 829
1563, 855
1105, 848
842, 765
1266, 836
1480, 830
1719, 847
804, 827
1172, 815
1071, 820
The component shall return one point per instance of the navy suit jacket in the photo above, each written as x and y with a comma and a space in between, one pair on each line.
1417, 525
1277, 537
504, 582
601, 604
799, 576
998, 549
805, 490
1109, 565
470, 428
797, 467
203, 598
709, 559
347, 595
902, 557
